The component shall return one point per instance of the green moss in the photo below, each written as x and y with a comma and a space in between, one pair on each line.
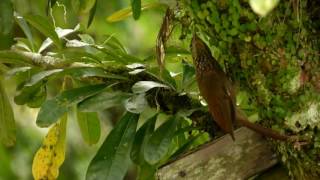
276, 61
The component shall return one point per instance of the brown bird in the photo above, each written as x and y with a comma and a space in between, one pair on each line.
217, 89
214, 85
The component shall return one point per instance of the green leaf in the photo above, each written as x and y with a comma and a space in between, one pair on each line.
142, 136
23, 44
6, 17
42, 24
188, 74
60, 33
6, 24
89, 124
159, 143
53, 109
186, 146
87, 5
34, 96
124, 13
103, 101
137, 103
38, 98
79, 55
41, 75
50, 111
7, 123
144, 86
146, 172
50, 4
136, 8
113, 158
92, 13
12, 57
118, 55
77, 73
114, 43
25, 28
168, 78
84, 72
86, 38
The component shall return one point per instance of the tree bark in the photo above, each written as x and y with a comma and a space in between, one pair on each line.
223, 159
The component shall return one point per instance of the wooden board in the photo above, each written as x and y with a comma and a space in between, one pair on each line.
223, 159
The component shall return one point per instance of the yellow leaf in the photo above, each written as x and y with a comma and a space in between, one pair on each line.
126, 12
51, 155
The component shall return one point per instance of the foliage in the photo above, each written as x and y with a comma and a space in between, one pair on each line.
69, 71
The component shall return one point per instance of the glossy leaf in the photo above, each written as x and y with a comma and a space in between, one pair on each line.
27, 94
77, 73
6, 17
87, 5
188, 74
144, 86
103, 101
7, 123
84, 72
114, 43
50, 156
38, 98
42, 24
113, 158
146, 172
142, 136
50, 4
118, 55
23, 44
185, 146
136, 8
92, 13
168, 78
25, 28
12, 57
159, 143
60, 34
137, 103
89, 124
41, 75
79, 55
124, 13
86, 38
53, 109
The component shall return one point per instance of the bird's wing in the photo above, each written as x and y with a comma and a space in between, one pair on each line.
219, 100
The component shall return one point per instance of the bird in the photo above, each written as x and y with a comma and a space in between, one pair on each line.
214, 85
218, 91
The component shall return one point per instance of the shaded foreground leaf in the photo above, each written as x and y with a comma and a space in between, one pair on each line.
89, 124
136, 8
50, 156
144, 86
137, 103
159, 143
126, 12
42, 24
53, 109
14, 58
92, 13
142, 136
112, 160
25, 28
103, 101
7, 123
